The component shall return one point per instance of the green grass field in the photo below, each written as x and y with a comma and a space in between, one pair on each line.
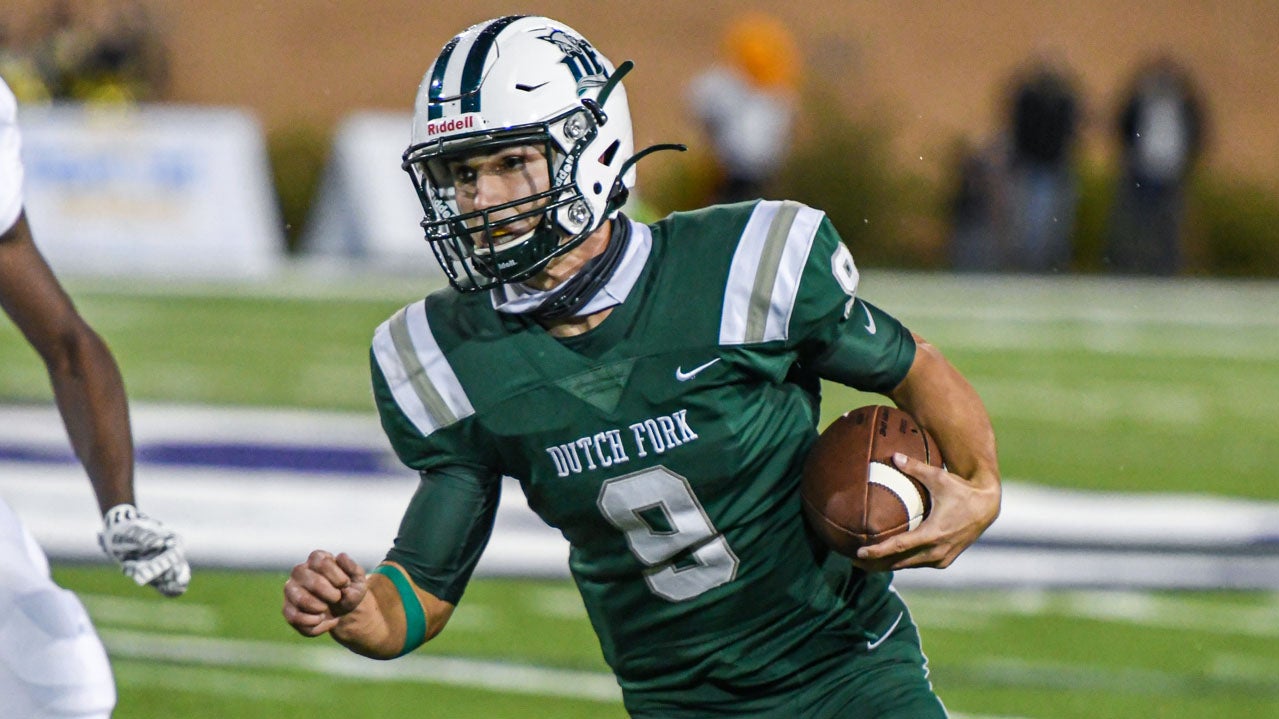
223, 651
1132, 386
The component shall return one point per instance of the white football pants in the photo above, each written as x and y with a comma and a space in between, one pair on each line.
52, 664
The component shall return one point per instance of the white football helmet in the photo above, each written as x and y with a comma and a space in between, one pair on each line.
513, 81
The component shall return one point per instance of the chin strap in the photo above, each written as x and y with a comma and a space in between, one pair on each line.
620, 193
574, 294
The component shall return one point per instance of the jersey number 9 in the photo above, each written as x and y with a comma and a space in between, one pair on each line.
669, 531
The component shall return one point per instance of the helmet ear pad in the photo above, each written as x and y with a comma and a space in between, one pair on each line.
526, 80
599, 168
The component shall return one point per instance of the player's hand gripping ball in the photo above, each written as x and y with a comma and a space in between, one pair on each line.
853, 495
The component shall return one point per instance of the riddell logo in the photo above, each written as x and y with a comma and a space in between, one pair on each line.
452, 124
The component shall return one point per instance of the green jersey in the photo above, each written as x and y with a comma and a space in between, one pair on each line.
666, 444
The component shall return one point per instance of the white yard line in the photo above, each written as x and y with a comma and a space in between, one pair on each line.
152, 614
273, 516
334, 661
215, 682
244, 656
975, 610
1003, 298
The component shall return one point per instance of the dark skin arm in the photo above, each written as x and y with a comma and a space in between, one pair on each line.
966, 495
87, 385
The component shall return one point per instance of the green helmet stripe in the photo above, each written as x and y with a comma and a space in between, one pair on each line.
436, 90
473, 72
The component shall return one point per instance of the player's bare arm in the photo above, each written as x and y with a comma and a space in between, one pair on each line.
364, 612
86, 381
966, 494
89, 392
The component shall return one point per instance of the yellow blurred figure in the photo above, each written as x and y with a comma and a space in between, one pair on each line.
746, 105
764, 49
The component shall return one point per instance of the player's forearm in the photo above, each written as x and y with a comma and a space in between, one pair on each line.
941, 400
90, 396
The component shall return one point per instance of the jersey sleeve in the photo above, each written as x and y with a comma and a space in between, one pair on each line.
10, 161
425, 411
445, 529
428, 419
792, 284
839, 335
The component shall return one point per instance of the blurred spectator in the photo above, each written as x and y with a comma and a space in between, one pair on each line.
1044, 114
19, 71
746, 104
1160, 130
108, 53
979, 210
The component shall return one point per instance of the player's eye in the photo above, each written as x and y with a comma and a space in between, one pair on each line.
513, 163
463, 175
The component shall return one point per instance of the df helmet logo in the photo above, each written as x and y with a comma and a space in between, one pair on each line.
580, 58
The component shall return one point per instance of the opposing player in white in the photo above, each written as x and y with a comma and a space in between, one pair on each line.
52, 664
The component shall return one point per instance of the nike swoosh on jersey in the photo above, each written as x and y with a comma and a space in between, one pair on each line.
871, 646
870, 321
683, 376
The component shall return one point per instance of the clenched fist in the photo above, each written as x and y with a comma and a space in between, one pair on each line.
322, 590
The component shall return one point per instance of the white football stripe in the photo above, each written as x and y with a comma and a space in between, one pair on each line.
900, 485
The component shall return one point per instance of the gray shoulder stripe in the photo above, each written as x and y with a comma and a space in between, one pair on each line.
431, 400
764, 277
423, 384
766, 274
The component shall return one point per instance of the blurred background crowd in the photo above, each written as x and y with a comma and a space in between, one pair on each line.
992, 137
74, 52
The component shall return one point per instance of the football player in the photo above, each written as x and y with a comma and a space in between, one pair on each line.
52, 663
654, 389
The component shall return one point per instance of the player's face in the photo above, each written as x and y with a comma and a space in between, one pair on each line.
482, 181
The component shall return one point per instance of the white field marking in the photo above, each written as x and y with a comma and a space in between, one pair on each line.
331, 661
158, 613
337, 662
1023, 310
297, 281
1123, 341
1082, 298
1167, 404
952, 621
1077, 677
214, 682
908, 295
1129, 680
1140, 608
1106, 315
1163, 404
474, 617
1170, 612
1261, 669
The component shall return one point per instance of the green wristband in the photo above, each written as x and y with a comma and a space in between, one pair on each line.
414, 617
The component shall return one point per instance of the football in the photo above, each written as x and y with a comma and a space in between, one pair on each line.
852, 494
